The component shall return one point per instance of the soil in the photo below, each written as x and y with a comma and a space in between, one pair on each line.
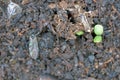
62, 54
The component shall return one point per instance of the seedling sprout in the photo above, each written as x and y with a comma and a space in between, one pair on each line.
79, 33
98, 29
97, 39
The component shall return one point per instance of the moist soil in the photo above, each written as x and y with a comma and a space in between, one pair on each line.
62, 54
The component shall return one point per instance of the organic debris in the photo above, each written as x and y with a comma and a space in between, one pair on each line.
85, 23
33, 47
13, 9
62, 55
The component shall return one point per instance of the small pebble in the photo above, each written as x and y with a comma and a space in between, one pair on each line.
47, 77
117, 69
100, 63
91, 58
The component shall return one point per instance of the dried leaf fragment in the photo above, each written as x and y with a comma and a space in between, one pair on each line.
13, 9
85, 23
33, 47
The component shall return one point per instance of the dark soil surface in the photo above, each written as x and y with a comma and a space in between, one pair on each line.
62, 54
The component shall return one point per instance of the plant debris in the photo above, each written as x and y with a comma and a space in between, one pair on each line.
85, 22
57, 53
13, 9
33, 47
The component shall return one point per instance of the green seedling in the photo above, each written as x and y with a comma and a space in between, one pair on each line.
98, 29
79, 33
97, 39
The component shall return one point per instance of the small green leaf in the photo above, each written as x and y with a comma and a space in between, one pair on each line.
79, 33
97, 39
98, 29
